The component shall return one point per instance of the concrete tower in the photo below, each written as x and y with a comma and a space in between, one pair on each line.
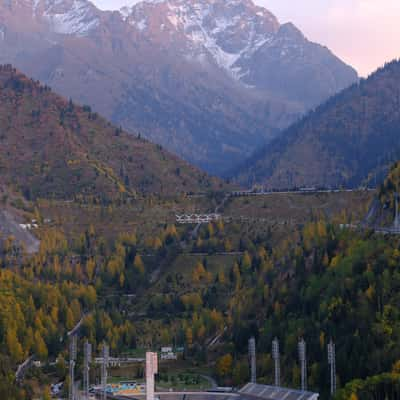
151, 370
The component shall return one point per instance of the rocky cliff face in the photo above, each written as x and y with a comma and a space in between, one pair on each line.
209, 79
245, 41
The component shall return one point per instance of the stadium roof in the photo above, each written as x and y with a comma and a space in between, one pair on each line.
264, 392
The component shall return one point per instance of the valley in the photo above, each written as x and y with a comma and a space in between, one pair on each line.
178, 72
115, 247
197, 202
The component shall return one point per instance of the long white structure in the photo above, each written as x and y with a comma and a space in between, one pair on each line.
151, 370
197, 218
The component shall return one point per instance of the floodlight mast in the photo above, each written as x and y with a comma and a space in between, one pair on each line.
72, 360
87, 360
104, 365
303, 363
276, 358
252, 359
332, 364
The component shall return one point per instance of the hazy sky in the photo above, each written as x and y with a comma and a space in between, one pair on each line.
364, 33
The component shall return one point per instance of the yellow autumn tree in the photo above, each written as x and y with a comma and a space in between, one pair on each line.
396, 367
221, 277
13, 345
157, 244
47, 393
40, 347
90, 268
189, 337
237, 276
228, 247
199, 273
70, 322
246, 261
138, 264
121, 280
224, 365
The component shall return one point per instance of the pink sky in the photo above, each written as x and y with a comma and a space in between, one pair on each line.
364, 33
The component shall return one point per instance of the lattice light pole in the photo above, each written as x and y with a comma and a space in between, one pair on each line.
396, 215
104, 365
72, 361
303, 364
252, 359
277, 363
332, 364
87, 354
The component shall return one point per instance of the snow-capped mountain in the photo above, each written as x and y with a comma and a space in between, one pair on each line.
67, 17
246, 41
70, 17
209, 79
220, 31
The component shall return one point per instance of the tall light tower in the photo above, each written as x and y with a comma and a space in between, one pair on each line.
87, 355
72, 360
151, 370
104, 365
332, 364
396, 215
277, 362
303, 364
252, 359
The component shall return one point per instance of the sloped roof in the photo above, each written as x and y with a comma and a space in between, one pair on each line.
265, 392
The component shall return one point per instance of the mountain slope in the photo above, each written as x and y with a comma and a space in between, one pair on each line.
354, 134
247, 42
53, 148
199, 77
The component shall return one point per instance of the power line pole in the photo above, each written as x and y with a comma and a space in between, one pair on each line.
72, 361
332, 363
104, 365
276, 357
252, 358
303, 364
87, 354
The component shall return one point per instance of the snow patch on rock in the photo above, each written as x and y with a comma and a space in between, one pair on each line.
210, 28
77, 19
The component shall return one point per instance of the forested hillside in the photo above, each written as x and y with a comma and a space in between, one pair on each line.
280, 265
319, 283
152, 284
343, 142
50, 147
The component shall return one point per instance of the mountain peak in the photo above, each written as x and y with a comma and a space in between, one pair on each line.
209, 79
290, 30
215, 31
68, 17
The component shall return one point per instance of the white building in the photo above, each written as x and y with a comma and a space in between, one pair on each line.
167, 353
